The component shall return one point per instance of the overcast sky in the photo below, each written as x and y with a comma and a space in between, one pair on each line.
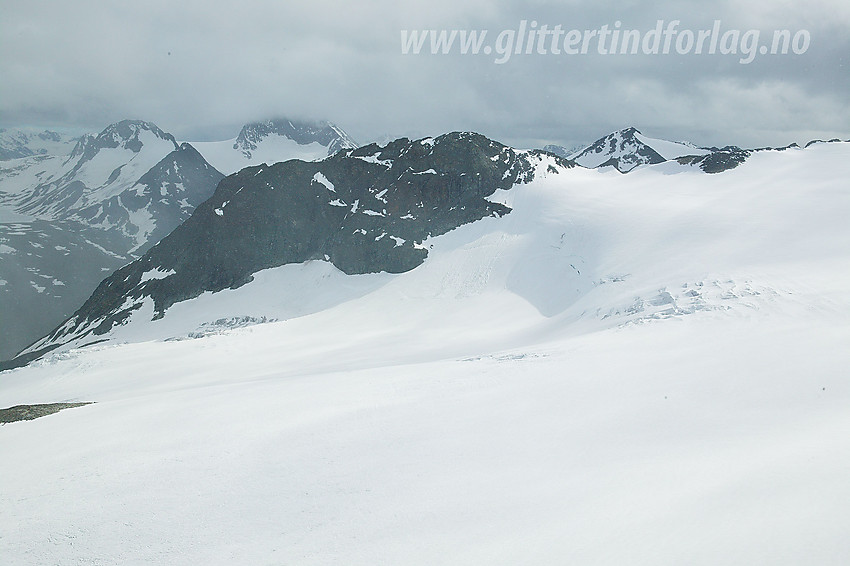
201, 69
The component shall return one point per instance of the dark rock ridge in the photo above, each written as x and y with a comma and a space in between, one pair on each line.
300, 131
813, 142
719, 160
725, 158
365, 210
31, 412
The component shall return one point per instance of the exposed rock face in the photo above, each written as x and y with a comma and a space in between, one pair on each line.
30, 412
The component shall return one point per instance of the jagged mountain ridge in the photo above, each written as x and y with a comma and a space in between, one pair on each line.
364, 210
125, 186
98, 168
126, 134
628, 149
159, 201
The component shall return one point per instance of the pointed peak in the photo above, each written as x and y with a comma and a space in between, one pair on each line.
621, 149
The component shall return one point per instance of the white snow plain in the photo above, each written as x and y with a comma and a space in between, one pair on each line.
627, 369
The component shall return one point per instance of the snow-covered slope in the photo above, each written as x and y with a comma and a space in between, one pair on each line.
647, 368
628, 148
273, 141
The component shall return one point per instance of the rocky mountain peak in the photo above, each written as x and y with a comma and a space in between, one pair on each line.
126, 134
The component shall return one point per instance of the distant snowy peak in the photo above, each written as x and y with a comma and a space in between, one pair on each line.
626, 149
18, 142
301, 132
274, 141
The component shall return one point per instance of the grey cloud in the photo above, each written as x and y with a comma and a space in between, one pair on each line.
201, 69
